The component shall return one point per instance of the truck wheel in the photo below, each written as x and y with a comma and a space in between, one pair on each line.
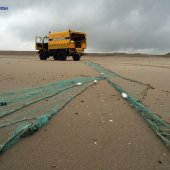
56, 57
42, 55
76, 57
62, 55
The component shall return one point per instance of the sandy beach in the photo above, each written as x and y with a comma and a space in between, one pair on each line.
98, 130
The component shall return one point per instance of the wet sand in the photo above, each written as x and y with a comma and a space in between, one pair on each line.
98, 129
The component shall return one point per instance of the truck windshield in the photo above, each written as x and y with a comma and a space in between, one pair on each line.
45, 40
39, 39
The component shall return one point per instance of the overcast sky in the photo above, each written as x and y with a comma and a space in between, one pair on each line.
111, 25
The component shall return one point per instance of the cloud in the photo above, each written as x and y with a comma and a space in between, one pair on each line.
111, 26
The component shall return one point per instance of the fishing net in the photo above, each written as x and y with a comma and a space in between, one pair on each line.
159, 126
135, 88
23, 112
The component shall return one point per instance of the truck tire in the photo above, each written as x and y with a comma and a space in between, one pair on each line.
42, 55
56, 57
76, 57
62, 55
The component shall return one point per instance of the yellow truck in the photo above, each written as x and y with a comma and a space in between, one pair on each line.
61, 44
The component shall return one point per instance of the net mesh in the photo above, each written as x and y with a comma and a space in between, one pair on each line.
24, 111
159, 126
27, 110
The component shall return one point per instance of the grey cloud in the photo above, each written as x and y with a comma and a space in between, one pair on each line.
111, 25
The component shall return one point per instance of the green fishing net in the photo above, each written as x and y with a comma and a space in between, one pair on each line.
160, 127
28, 110
24, 111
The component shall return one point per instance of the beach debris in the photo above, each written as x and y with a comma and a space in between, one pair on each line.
76, 113
53, 165
95, 81
79, 84
124, 95
110, 120
95, 141
159, 161
129, 143
101, 73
